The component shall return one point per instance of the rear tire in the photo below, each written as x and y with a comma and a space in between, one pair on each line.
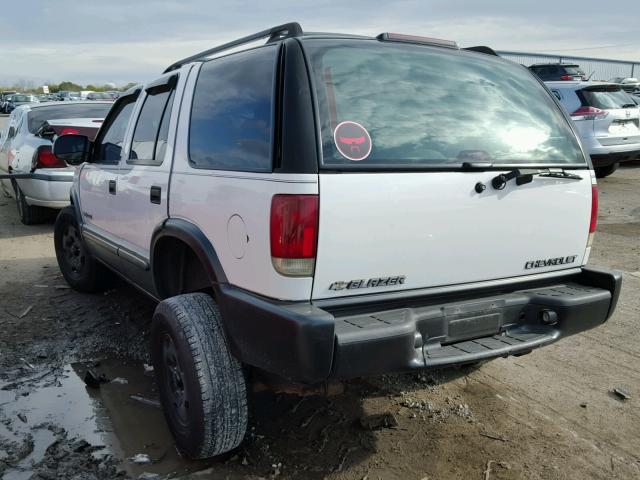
602, 172
201, 384
30, 214
79, 268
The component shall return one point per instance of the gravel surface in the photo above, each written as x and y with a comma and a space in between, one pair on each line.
551, 414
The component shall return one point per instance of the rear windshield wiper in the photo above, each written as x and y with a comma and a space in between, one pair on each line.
524, 176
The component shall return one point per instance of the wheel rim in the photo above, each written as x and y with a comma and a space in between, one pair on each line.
73, 250
175, 381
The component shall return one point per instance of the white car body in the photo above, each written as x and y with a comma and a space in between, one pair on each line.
609, 136
48, 187
345, 206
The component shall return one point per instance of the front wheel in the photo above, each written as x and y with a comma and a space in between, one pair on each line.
201, 384
602, 172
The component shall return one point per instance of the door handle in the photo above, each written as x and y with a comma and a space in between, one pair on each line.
155, 194
112, 187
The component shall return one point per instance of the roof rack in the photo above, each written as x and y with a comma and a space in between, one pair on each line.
280, 32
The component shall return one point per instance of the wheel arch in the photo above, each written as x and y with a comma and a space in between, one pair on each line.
183, 260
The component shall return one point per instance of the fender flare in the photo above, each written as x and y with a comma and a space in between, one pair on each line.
191, 235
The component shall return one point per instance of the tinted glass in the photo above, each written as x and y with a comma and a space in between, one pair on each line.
163, 134
109, 147
606, 98
232, 112
573, 71
39, 115
424, 106
148, 128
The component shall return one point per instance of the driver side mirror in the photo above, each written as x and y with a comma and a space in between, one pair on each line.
73, 149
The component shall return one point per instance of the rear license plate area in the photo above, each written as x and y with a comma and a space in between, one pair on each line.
468, 321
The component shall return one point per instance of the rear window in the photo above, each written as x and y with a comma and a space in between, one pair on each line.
605, 98
419, 107
573, 71
39, 115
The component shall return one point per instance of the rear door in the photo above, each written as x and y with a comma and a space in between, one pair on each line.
618, 122
412, 138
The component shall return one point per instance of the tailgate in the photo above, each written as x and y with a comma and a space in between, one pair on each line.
383, 232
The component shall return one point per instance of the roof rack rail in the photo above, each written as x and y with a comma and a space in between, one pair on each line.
280, 32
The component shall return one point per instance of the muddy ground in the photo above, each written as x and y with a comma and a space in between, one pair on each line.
550, 414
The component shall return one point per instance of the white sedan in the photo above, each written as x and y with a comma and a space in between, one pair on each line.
28, 169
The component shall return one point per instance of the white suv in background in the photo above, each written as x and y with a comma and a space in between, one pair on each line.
323, 207
606, 117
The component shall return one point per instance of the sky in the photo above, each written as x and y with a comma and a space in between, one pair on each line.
121, 41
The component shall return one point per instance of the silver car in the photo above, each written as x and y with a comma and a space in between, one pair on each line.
38, 180
607, 119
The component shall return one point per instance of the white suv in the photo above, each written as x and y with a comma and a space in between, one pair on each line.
607, 119
323, 207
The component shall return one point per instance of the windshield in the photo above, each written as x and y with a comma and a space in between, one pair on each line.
59, 112
400, 105
606, 98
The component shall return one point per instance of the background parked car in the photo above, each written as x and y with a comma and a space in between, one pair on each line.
549, 72
99, 96
25, 148
19, 99
606, 117
3, 100
629, 84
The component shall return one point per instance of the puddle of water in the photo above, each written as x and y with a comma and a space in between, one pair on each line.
105, 416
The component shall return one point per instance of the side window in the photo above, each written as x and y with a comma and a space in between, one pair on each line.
152, 130
232, 112
108, 146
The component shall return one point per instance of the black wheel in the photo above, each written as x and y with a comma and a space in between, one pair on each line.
29, 214
201, 384
79, 268
602, 172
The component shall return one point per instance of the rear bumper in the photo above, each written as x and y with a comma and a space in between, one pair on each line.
47, 187
307, 344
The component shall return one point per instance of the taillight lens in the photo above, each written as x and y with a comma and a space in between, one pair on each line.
294, 234
589, 113
566, 77
44, 158
594, 213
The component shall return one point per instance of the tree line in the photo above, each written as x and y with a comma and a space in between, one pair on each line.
64, 87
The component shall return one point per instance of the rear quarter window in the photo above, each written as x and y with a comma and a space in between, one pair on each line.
425, 106
232, 112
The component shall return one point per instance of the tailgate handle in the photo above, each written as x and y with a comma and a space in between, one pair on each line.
112, 187
155, 194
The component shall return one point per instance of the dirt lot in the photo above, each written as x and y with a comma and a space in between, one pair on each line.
550, 414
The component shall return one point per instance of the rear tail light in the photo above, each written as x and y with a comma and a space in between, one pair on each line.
44, 158
294, 234
594, 213
566, 77
589, 113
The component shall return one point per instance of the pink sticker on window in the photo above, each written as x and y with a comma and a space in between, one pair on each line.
352, 141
